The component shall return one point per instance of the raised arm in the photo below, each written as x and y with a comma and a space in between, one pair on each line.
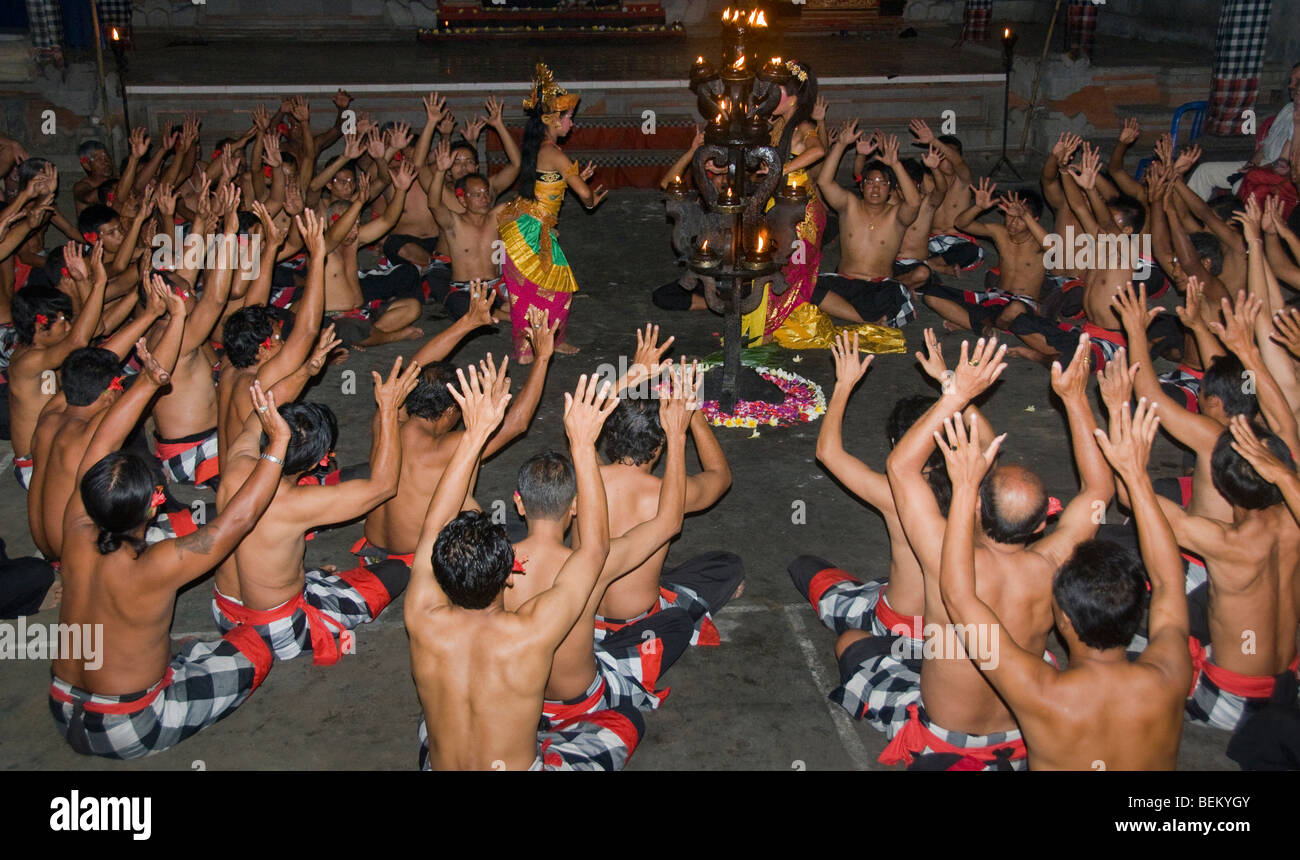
832, 192
541, 335
309, 310
376, 229
1050, 178
911, 204
707, 486
926, 137
503, 179
553, 611
982, 203
860, 479
1266, 463
682, 165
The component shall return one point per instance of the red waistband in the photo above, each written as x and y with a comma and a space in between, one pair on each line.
324, 648
1096, 332
130, 707
364, 543
561, 711
1246, 686
895, 622
914, 736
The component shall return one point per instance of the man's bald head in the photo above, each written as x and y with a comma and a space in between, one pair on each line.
1013, 504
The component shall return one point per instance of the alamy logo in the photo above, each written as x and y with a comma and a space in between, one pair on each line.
23, 641
1106, 251
214, 251
132, 814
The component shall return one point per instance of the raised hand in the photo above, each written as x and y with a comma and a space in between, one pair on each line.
273, 423
889, 149
586, 409
494, 107
588, 171
1273, 218
931, 359
1073, 381
1130, 132
300, 110
352, 147
1255, 452
1237, 331
1250, 219
648, 360
434, 108
1192, 311
325, 344
1065, 146
675, 403
495, 377
473, 128
73, 262
977, 369
541, 333
1013, 205
848, 133
1286, 330
375, 145
166, 201
850, 366
293, 202
442, 155
363, 185
1189, 156
1128, 446
149, 366
391, 392
342, 99
819, 110
984, 193
1165, 149
399, 136
968, 462
1115, 381
312, 230
1085, 172
261, 119
921, 129
139, 142
403, 176
480, 411
271, 150
933, 157
1131, 308
480, 304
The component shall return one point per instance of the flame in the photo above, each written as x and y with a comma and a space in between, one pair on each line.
762, 21
718, 119
740, 64
726, 16
705, 246
751, 19
758, 249
699, 61
775, 61
1006, 33
677, 179
114, 35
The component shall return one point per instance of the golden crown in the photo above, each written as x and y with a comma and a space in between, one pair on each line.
547, 96
795, 69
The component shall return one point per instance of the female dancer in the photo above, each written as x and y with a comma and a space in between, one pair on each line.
535, 269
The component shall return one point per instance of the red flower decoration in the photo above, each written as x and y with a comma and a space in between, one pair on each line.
266, 344
42, 319
397, 156
283, 128
116, 384
216, 153
518, 566
334, 217
1053, 506
158, 498
63, 272
91, 236
111, 196
460, 193
266, 171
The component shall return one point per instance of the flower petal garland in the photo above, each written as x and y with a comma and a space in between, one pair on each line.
804, 401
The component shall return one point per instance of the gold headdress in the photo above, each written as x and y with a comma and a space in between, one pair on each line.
796, 70
548, 97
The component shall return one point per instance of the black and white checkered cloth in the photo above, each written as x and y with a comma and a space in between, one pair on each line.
1238, 56
1081, 24
205, 683
45, 21
846, 604
975, 20
604, 741
876, 685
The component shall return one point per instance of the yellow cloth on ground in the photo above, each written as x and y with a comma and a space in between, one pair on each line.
808, 327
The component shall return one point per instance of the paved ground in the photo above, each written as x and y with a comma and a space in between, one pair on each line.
757, 702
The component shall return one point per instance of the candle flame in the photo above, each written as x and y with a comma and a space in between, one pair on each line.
740, 64
705, 246
699, 61
718, 119
762, 21
677, 179
759, 247
726, 16
1006, 34
752, 17
114, 35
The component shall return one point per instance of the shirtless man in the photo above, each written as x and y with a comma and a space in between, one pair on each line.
1254, 586
185, 418
139, 699
429, 436
99, 171
625, 667
469, 235
949, 700
366, 313
632, 442
480, 670
414, 235
254, 350
1020, 241
1102, 708
893, 605
871, 233
46, 336
92, 383
951, 251
265, 583
931, 180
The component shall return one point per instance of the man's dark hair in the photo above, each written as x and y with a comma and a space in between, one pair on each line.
632, 432
1208, 247
430, 398
915, 169
906, 412
1102, 590
472, 559
875, 165
1237, 481
953, 141
95, 216
89, 148
29, 170
244, 332
1225, 379
313, 432
1033, 202
462, 184
547, 486
32, 301
1131, 211
465, 145
116, 492
87, 373
1004, 523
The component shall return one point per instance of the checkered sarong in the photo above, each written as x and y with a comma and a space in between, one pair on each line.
205, 683
918, 736
1211, 702
843, 602
169, 526
329, 604
633, 659
944, 244
189, 461
45, 20
975, 20
1238, 56
603, 740
1183, 385
8, 340
1081, 24
877, 686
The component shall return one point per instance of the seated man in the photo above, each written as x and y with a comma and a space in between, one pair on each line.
945, 703
863, 289
1127, 716
139, 699
632, 442
1021, 278
845, 604
625, 667
931, 177
481, 670
429, 436
265, 583
951, 251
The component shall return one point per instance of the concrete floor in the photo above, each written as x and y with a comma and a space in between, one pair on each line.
757, 702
